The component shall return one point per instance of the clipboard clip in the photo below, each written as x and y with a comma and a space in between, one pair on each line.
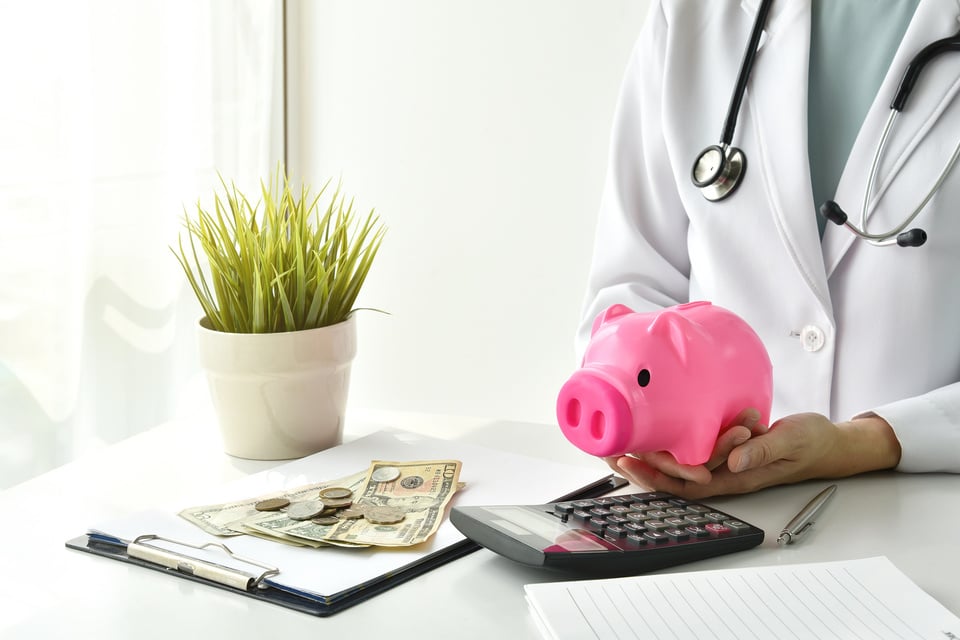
201, 568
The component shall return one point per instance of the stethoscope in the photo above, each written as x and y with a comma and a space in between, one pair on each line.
719, 168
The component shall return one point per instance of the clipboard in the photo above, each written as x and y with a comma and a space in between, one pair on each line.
286, 576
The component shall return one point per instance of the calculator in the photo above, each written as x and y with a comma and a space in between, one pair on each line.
612, 535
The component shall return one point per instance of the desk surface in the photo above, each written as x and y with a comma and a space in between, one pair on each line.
50, 591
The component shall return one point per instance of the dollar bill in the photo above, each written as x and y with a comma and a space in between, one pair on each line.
216, 519
282, 528
422, 491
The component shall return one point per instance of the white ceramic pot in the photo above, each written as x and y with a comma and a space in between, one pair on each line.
279, 395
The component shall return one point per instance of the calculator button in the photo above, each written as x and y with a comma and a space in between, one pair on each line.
600, 511
615, 532
634, 527
580, 514
596, 524
656, 537
604, 501
717, 529
659, 504
583, 504
620, 509
676, 522
677, 511
656, 513
697, 508
697, 532
564, 507
636, 539
677, 534
696, 520
636, 516
713, 516
680, 502
615, 519
657, 495
656, 525
736, 525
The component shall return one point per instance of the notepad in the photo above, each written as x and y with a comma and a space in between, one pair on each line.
867, 598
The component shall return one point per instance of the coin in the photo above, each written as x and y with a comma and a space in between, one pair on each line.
336, 504
271, 504
353, 513
383, 515
336, 493
385, 474
325, 520
304, 510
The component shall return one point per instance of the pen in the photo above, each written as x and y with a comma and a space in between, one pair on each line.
805, 519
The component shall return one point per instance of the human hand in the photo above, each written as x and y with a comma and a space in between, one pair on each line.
641, 467
798, 447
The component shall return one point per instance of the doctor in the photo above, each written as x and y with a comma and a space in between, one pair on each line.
864, 339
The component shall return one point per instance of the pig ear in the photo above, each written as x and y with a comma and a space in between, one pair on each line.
611, 313
675, 329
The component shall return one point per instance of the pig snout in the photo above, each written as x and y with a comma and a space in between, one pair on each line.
594, 415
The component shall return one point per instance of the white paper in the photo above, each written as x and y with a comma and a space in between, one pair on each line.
867, 598
491, 477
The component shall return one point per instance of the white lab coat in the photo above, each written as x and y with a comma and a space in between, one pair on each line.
850, 327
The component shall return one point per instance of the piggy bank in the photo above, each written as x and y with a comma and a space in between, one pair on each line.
668, 380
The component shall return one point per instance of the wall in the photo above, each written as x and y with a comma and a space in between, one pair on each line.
478, 129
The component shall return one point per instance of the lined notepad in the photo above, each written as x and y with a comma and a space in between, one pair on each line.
867, 598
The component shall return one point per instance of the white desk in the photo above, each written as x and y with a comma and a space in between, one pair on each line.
49, 591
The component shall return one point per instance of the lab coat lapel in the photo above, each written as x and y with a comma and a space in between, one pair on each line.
777, 103
934, 19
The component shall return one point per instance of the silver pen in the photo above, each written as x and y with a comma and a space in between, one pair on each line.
805, 519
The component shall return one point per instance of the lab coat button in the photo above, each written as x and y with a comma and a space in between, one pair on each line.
812, 338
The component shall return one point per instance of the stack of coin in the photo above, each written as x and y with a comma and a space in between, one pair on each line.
335, 504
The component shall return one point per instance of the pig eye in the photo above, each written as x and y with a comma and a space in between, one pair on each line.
643, 378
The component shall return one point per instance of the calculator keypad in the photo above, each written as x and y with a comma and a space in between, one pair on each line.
649, 519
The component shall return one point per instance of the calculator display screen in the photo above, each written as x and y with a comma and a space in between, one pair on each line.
553, 534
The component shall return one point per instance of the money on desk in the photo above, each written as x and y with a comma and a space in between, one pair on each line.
390, 504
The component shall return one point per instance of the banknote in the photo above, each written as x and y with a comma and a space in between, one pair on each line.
217, 519
419, 491
422, 490
284, 529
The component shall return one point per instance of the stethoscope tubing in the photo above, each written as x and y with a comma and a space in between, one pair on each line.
718, 180
889, 237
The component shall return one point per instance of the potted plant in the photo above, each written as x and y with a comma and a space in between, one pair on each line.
277, 284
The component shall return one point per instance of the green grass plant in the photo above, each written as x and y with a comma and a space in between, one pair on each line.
286, 263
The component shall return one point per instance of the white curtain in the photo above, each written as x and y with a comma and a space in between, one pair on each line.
114, 117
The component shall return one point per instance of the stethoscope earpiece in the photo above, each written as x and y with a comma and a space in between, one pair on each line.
718, 171
911, 238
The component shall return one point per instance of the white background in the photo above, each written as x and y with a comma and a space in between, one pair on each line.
478, 129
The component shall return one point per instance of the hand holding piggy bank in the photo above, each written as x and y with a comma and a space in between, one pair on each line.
668, 380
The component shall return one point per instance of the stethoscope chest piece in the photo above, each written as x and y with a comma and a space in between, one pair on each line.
718, 171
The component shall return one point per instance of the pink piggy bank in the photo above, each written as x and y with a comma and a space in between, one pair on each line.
668, 380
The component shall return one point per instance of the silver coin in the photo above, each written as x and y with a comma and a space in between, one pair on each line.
325, 520
383, 515
336, 493
331, 503
305, 510
271, 504
385, 474
353, 513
